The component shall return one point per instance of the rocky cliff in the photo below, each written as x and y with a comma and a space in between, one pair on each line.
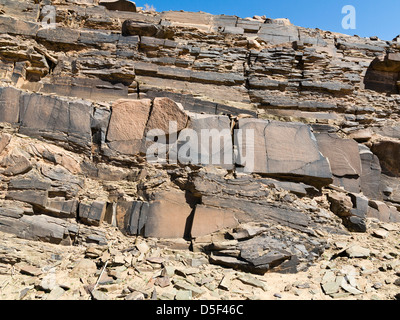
87, 84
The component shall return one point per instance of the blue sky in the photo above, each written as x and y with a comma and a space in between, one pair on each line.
373, 17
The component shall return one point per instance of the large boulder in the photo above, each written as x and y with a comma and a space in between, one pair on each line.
92, 213
131, 216
209, 219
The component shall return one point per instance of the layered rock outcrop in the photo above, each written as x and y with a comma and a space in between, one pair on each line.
180, 125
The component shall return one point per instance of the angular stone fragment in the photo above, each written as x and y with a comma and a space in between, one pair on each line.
34, 197
16, 162
31, 180
331, 287
44, 228
341, 204
4, 141
352, 208
127, 125
62, 208
357, 251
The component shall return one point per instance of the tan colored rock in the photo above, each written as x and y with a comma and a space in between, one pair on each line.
362, 135
165, 110
209, 219
4, 141
344, 158
341, 204
127, 125
9, 105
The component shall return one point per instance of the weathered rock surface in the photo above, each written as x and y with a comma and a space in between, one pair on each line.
275, 143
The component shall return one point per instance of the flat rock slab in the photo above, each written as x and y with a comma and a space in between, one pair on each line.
344, 158
343, 154
284, 150
168, 216
388, 153
357, 251
56, 119
370, 179
119, 5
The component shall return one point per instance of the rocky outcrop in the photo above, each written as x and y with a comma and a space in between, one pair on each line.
250, 138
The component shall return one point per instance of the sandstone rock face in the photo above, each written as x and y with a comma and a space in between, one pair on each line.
208, 220
370, 179
212, 144
127, 125
265, 137
344, 158
168, 216
9, 105
388, 153
286, 150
